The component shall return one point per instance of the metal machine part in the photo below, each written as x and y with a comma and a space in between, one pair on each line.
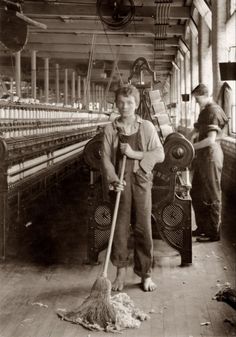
170, 195
99, 223
171, 218
14, 25
36, 156
92, 151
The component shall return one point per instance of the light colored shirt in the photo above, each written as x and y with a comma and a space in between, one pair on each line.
152, 148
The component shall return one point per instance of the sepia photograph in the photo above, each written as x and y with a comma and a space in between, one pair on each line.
117, 168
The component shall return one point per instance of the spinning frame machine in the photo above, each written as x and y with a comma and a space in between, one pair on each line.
40, 145
171, 208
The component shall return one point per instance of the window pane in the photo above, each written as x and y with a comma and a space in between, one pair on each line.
233, 119
232, 6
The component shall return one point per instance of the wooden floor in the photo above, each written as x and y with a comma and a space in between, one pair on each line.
48, 274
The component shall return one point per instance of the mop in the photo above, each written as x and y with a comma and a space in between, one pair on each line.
100, 311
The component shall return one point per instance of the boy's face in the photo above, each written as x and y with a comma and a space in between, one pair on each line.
126, 105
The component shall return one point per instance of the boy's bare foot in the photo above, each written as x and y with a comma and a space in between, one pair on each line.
148, 284
119, 281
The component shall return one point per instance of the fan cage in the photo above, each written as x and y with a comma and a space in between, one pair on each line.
116, 21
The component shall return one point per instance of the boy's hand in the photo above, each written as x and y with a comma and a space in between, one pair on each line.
118, 186
127, 150
194, 137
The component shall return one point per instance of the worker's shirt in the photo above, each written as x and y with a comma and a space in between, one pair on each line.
149, 143
211, 118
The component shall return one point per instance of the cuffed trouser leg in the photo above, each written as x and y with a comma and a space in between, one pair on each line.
143, 243
197, 201
214, 219
212, 199
206, 192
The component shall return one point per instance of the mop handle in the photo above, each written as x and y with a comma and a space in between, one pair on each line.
114, 218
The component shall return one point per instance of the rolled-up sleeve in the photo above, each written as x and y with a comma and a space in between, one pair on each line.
213, 127
154, 152
212, 118
106, 156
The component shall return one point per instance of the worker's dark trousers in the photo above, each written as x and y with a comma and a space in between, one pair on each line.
137, 195
206, 190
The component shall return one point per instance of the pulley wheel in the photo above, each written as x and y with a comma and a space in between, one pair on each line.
179, 152
172, 216
102, 216
92, 152
13, 31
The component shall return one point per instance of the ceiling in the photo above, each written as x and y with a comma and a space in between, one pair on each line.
77, 39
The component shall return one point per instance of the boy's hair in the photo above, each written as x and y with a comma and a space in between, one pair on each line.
200, 90
128, 90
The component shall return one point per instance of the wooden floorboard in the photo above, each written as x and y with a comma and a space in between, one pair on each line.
32, 291
182, 302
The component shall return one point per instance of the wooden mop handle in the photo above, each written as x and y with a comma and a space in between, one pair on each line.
114, 218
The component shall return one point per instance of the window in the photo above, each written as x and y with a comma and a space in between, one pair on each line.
233, 120
232, 113
231, 46
231, 8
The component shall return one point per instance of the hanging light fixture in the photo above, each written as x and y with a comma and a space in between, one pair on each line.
228, 69
185, 97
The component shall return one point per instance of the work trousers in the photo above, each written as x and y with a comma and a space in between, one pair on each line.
136, 197
206, 190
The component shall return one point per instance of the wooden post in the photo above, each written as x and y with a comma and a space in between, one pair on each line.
85, 92
33, 75
103, 104
11, 87
100, 97
182, 88
73, 88
18, 73
219, 52
178, 87
79, 88
57, 84
204, 56
66, 87
46, 79
93, 94
187, 83
194, 61
97, 96
88, 92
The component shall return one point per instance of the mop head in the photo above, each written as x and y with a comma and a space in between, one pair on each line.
227, 295
102, 312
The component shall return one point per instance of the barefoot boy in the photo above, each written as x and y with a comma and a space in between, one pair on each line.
136, 138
